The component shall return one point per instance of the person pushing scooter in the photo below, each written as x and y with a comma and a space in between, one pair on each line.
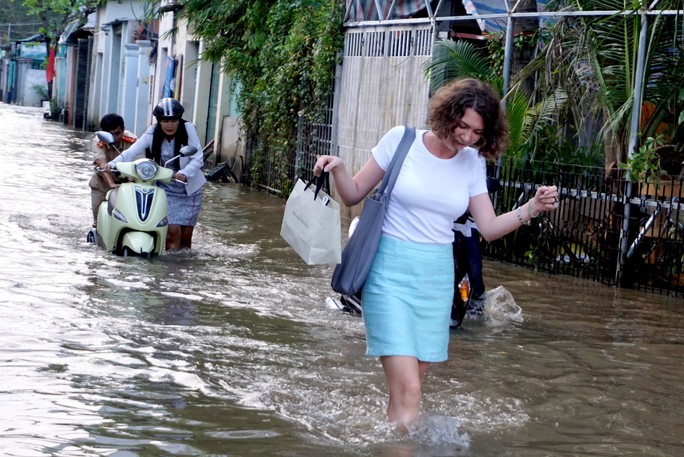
102, 182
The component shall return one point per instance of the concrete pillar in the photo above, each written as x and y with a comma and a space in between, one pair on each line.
142, 105
129, 88
200, 116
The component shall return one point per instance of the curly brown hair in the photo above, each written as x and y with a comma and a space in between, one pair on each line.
449, 103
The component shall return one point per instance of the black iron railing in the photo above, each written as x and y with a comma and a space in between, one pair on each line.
606, 229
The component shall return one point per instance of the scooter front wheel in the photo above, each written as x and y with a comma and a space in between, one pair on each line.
126, 252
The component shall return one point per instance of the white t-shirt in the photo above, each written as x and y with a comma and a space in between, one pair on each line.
430, 193
467, 228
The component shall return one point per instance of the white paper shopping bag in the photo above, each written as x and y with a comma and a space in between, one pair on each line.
311, 224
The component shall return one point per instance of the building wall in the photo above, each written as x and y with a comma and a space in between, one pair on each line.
381, 84
143, 110
29, 95
114, 73
60, 83
201, 97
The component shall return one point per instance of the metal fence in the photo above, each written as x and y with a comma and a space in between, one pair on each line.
606, 229
314, 137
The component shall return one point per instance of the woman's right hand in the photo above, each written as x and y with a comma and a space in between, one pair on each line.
327, 163
350, 189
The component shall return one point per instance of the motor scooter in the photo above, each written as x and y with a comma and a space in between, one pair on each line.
133, 218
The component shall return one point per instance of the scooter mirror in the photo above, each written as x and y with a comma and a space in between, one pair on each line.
106, 137
186, 151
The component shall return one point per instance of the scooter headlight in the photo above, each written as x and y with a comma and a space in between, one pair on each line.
146, 170
118, 215
164, 222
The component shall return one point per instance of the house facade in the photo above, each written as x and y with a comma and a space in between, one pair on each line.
113, 60
22, 80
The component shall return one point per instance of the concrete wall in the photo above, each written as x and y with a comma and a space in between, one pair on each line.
30, 96
114, 75
232, 148
143, 109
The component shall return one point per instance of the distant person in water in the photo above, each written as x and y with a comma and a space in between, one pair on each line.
468, 261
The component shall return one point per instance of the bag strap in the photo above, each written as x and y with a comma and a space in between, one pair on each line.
392, 172
320, 181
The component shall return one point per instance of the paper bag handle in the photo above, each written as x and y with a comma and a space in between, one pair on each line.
320, 180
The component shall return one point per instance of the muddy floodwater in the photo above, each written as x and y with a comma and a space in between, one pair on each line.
228, 349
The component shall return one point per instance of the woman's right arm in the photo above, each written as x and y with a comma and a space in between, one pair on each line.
351, 190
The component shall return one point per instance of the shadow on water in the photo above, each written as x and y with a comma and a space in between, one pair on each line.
228, 349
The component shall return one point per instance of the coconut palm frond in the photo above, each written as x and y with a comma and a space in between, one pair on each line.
518, 121
546, 111
456, 59
541, 115
664, 76
611, 45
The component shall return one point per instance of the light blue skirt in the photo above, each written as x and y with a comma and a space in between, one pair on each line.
407, 300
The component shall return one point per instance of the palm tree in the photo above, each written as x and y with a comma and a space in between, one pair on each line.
594, 60
461, 59
584, 75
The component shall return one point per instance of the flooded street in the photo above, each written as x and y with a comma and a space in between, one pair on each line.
229, 350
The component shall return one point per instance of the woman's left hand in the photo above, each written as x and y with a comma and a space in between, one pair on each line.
180, 177
545, 199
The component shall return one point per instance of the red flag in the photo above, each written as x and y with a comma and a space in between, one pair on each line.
50, 70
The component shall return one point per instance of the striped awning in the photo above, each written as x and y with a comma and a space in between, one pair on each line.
382, 10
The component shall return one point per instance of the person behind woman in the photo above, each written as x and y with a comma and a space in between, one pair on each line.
407, 296
161, 142
102, 182
468, 260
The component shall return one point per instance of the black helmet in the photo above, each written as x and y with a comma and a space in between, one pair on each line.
168, 108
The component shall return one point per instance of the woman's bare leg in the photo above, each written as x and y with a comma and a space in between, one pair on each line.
173, 238
422, 369
404, 376
186, 236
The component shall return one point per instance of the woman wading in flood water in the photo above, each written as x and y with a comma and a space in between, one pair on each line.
407, 297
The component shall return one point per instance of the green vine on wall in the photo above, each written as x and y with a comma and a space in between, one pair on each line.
283, 56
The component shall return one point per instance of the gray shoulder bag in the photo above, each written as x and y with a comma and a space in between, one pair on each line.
358, 253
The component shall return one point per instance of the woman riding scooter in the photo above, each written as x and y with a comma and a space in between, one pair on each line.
161, 142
